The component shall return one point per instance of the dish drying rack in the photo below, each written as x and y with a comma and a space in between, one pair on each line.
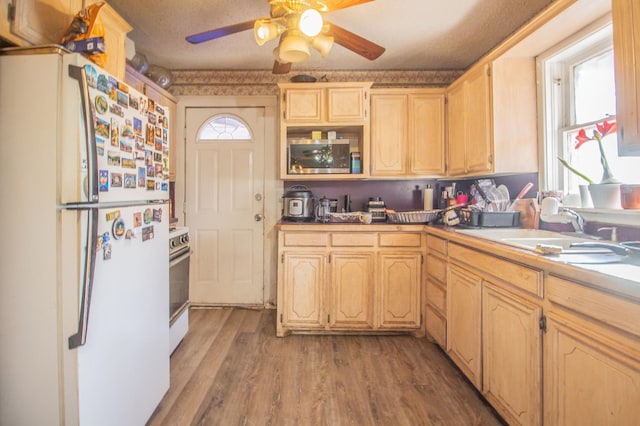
417, 216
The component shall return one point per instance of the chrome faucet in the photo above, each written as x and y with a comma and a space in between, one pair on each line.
614, 232
576, 220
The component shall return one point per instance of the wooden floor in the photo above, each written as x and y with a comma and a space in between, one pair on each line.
231, 369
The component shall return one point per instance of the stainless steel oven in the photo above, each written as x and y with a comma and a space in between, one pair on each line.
179, 259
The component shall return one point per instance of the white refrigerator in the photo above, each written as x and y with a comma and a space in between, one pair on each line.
84, 268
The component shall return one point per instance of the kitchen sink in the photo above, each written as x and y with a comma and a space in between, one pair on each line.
530, 238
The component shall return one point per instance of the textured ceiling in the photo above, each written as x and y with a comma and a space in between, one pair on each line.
417, 34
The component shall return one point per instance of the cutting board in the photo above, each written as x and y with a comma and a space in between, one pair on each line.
529, 212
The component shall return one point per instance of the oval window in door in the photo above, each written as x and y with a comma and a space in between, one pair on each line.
224, 127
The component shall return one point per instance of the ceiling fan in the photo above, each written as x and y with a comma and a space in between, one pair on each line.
299, 24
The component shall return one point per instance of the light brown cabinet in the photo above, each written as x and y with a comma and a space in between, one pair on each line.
626, 39
491, 114
399, 298
436, 290
324, 107
160, 96
407, 132
464, 321
349, 281
34, 22
511, 355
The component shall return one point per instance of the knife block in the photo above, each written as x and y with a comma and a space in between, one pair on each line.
529, 212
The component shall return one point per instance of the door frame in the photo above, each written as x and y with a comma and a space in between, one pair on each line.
273, 186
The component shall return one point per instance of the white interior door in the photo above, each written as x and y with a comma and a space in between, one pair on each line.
224, 204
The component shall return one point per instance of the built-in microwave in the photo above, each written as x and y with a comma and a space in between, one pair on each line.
318, 156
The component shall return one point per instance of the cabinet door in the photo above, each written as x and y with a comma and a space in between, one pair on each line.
303, 284
347, 104
426, 134
626, 39
511, 356
479, 154
43, 21
399, 296
587, 380
388, 134
351, 290
464, 294
456, 131
304, 105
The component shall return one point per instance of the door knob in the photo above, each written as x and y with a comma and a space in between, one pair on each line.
258, 217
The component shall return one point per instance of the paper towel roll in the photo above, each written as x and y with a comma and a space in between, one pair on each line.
427, 198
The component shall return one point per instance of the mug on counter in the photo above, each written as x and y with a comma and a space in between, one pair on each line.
366, 218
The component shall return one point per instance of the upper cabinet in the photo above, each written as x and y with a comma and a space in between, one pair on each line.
407, 132
491, 115
626, 39
323, 126
34, 22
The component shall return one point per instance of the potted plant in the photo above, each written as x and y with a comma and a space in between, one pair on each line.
605, 194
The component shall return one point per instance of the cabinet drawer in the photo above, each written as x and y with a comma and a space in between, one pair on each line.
305, 239
400, 239
518, 275
353, 240
437, 269
436, 327
437, 296
437, 244
610, 309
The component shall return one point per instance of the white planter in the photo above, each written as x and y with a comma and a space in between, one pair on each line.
605, 195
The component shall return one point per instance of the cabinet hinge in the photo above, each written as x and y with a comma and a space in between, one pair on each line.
422, 259
490, 159
328, 319
280, 317
329, 259
446, 100
543, 324
488, 71
282, 258
11, 12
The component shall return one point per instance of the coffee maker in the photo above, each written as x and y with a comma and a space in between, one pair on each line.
377, 208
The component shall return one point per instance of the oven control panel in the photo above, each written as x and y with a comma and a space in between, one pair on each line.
178, 239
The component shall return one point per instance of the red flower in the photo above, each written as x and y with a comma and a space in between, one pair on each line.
605, 128
581, 138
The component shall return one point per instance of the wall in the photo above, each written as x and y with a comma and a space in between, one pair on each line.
264, 83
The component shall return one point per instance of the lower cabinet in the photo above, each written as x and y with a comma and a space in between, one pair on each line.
349, 282
351, 290
464, 332
399, 297
511, 355
588, 378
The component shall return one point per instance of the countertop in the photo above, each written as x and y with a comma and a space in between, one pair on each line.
618, 278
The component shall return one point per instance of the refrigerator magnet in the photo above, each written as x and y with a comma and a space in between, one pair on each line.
116, 109
148, 216
134, 102
106, 252
137, 219
101, 104
118, 229
92, 75
123, 99
115, 131
116, 180
103, 128
126, 145
165, 186
129, 235
142, 176
157, 215
128, 163
151, 185
103, 84
137, 126
147, 233
112, 215
113, 88
103, 180
130, 180
113, 158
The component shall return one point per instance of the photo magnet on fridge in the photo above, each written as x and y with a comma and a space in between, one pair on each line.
148, 216
102, 128
116, 180
106, 252
137, 219
118, 228
157, 215
147, 233
112, 215
101, 104
103, 180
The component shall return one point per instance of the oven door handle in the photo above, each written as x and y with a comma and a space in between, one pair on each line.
181, 258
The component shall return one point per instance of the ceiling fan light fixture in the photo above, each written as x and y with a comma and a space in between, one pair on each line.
293, 47
322, 43
264, 31
311, 22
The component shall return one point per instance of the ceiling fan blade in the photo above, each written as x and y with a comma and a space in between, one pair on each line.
280, 68
355, 43
342, 4
220, 32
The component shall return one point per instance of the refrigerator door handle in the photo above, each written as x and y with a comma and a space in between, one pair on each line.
79, 74
80, 337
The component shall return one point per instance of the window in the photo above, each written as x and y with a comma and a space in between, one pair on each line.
579, 92
224, 127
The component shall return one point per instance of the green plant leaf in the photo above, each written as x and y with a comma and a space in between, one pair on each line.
568, 166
